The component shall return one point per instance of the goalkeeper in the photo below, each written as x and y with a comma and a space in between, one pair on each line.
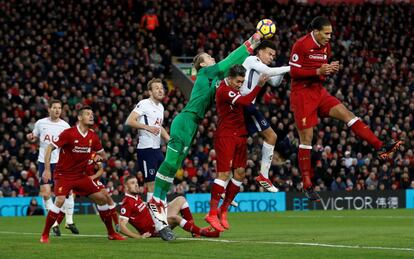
184, 126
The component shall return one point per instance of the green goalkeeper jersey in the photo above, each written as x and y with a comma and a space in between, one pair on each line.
208, 78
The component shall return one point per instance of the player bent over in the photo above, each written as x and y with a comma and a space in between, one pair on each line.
230, 142
76, 145
135, 211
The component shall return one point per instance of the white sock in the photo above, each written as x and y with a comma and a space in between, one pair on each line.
47, 203
102, 207
149, 195
220, 182
69, 206
235, 182
182, 223
267, 156
185, 205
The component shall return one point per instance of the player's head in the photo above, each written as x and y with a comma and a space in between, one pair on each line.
322, 29
55, 109
156, 89
85, 116
131, 185
203, 60
266, 52
236, 76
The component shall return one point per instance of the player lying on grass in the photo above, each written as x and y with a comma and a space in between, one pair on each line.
230, 142
135, 211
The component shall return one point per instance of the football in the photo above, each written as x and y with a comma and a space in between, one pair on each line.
267, 28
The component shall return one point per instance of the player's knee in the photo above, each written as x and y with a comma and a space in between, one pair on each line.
59, 201
173, 220
239, 174
270, 136
224, 176
181, 200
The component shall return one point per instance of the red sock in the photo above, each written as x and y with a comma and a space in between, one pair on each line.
190, 227
60, 217
107, 219
50, 220
216, 192
231, 191
114, 216
304, 159
364, 132
186, 213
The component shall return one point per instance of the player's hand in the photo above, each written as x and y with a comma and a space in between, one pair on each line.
325, 69
47, 175
263, 79
154, 130
146, 234
334, 66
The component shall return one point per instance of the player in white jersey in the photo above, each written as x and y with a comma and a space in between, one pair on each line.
47, 130
255, 121
147, 117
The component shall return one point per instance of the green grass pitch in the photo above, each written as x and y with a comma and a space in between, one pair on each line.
313, 234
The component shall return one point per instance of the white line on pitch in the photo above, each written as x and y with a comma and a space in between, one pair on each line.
249, 242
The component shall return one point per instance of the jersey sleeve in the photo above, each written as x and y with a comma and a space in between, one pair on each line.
62, 139
256, 64
275, 80
125, 211
139, 108
36, 129
295, 62
236, 57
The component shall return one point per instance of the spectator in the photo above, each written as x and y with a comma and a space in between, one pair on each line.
34, 208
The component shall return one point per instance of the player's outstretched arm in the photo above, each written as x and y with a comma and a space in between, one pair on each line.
247, 99
240, 54
125, 230
165, 135
254, 63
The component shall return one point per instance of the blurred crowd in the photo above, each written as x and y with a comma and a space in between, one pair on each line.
102, 53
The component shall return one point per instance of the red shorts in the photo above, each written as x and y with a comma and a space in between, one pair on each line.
83, 186
309, 102
231, 153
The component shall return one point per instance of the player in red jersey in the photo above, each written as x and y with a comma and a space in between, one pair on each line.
76, 145
94, 170
135, 211
308, 98
230, 142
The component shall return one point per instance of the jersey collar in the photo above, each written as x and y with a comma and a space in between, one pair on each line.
80, 132
314, 40
132, 196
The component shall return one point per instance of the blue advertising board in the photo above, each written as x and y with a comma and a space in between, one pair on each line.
16, 206
248, 202
409, 199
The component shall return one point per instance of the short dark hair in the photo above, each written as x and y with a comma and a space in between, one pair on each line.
53, 101
318, 23
153, 81
84, 108
237, 70
197, 60
266, 44
129, 177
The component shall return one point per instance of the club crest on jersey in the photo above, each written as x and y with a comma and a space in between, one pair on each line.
232, 94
